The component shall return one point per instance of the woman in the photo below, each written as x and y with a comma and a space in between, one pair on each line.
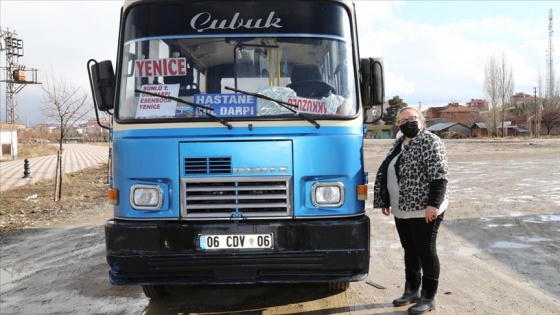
412, 185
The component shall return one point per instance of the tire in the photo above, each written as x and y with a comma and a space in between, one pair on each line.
155, 291
339, 286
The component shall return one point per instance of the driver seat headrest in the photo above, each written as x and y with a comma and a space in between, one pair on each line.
307, 72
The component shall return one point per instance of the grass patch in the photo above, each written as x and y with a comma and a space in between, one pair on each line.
33, 206
31, 150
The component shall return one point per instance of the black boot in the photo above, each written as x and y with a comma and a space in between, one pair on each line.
427, 301
411, 289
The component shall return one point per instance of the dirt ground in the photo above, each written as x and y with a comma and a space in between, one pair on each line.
82, 196
499, 241
498, 248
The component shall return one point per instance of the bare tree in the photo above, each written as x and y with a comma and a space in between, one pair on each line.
105, 119
535, 117
505, 87
550, 115
499, 87
491, 88
64, 104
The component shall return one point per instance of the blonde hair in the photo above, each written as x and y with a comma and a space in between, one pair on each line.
421, 117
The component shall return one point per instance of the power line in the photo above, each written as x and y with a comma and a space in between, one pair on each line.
17, 76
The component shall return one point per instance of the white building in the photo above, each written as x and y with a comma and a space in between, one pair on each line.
9, 140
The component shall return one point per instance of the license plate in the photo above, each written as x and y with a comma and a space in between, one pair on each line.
235, 241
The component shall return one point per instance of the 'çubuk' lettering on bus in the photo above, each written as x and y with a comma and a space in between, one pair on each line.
204, 21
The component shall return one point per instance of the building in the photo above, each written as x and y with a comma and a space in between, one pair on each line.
9, 139
91, 127
528, 122
522, 100
479, 104
450, 130
460, 114
48, 128
480, 129
470, 116
453, 112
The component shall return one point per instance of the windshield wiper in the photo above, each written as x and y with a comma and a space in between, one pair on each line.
198, 106
287, 106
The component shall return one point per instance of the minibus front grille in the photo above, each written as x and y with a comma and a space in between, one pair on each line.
208, 165
252, 197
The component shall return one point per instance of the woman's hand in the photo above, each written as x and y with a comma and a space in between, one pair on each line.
431, 213
386, 211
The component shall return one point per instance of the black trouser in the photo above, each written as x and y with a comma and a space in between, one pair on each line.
418, 239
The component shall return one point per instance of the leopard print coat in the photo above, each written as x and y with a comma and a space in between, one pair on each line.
423, 160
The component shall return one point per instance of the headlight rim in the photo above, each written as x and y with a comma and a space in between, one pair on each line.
317, 185
159, 192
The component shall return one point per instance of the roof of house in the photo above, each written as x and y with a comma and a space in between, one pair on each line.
521, 129
444, 126
44, 127
505, 124
519, 119
481, 125
11, 127
458, 108
520, 94
526, 99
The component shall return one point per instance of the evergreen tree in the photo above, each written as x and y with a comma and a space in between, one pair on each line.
395, 105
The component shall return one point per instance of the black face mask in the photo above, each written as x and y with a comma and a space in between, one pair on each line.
409, 129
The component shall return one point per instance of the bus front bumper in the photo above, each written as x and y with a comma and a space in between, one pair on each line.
166, 253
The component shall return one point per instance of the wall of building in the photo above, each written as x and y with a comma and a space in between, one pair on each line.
9, 141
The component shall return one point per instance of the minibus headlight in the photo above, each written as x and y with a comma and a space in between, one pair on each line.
146, 197
327, 194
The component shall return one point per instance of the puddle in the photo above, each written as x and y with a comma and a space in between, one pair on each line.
517, 199
8, 275
535, 239
501, 225
89, 235
550, 217
545, 218
466, 251
510, 245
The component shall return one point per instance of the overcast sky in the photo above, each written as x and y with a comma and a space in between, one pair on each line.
434, 51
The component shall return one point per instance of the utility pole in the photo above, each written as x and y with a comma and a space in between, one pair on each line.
549, 61
536, 122
16, 75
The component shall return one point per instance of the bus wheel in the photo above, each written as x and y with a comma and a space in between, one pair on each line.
339, 286
155, 291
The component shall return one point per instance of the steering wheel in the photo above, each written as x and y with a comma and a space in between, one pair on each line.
312, 88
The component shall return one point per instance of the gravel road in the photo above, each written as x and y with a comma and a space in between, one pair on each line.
498, 247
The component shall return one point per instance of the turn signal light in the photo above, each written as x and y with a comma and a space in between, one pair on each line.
361, 192
113, 195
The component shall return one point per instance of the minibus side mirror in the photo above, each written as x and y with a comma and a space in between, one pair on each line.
102, 82
372, 85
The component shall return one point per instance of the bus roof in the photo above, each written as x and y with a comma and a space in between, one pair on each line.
130, 2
